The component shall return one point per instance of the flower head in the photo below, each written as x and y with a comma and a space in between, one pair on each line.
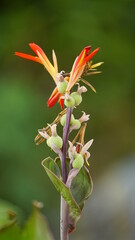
79, 65
52, 69
76, 72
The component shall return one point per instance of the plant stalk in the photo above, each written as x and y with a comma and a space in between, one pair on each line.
64, 215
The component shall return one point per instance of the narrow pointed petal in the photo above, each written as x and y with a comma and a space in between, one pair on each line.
91, 55
49, 68
83, 54
27, 56
86, 147
61, 103
55, 91
79, 65
97, 65
37, 49
52, 101
55, 61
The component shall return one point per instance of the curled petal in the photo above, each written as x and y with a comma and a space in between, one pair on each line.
43, 134
84, 117
86, 147
81, 90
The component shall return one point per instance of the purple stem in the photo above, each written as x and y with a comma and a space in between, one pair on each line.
64, 148
64, 207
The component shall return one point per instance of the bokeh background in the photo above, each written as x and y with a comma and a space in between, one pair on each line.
68, 26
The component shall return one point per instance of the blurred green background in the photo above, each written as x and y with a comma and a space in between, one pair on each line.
25, 87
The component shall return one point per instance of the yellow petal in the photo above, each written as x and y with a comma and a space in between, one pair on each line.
55, 61
49, 67
96, 65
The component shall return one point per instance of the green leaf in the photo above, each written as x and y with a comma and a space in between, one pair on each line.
52, 170
76, 193
36, 227
12, 232
81, 186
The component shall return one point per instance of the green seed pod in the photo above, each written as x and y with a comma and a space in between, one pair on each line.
77, 97
76, 123
62, 86
69, 102
57, 141
63, 120
78, 161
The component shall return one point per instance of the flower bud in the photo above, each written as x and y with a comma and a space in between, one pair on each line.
63, 120
77, 97
62, 85
78, 161
57, 141
69, 102
76, 124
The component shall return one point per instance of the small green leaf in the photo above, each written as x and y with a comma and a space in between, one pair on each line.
51, 169
36, 227
81, 186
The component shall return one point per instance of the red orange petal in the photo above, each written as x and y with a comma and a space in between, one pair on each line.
36, 48
27, 56
91, 55
61, 103
52, 101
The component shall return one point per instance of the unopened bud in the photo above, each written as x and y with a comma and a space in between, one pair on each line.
63, 120
57, 141
69, 102
77, 97
78, 161
62, 86
76, 124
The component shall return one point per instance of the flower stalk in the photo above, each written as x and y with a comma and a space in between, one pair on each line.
73, 177
64, 215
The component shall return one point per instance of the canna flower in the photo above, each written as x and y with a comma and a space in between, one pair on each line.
76, 72
53, 70
79, 65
